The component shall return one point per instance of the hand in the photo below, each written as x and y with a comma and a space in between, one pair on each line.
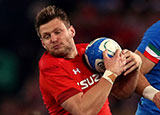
133, 61
115, 64
156, 99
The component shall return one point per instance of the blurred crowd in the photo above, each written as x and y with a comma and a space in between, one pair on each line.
122, 20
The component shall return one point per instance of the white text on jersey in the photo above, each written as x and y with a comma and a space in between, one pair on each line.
89, 81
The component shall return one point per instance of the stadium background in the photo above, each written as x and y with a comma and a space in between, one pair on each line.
20, 48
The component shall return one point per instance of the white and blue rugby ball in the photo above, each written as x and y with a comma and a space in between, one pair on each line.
94, 52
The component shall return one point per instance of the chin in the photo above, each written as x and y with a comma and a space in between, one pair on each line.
58, 54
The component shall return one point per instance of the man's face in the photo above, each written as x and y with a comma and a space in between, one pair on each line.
56, 38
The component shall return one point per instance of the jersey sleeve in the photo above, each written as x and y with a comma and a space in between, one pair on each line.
150, 44
59, 84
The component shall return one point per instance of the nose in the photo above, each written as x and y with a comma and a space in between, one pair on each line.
53, 38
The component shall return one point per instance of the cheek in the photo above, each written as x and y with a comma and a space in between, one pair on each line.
69, 42
68, 38
45, 44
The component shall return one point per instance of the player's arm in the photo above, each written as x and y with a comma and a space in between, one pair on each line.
124, 86
92, 101
143, 87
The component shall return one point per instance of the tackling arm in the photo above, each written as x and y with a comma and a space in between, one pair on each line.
125, 84
143, 87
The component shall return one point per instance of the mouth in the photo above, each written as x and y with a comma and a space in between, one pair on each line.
57, 46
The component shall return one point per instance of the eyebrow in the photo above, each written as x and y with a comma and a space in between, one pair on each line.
55, 29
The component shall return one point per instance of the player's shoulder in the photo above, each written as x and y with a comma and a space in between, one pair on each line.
81, 47
150, 45
156, 24
152, 35
47, 60
153, 30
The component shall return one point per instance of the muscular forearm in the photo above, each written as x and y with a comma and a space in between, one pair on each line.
145, 89
124, 86
142, 83
95, 98
92, 101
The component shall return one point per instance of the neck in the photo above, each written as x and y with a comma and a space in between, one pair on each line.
72, 53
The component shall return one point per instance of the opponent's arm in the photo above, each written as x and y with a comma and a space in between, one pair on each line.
92, 101
124, 86
143, 87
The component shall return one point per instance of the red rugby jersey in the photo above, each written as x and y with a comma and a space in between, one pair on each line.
61, 78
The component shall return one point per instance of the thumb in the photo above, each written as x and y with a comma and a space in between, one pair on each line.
105, 54
117, 53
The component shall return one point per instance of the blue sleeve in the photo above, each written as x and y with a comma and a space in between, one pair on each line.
151, 36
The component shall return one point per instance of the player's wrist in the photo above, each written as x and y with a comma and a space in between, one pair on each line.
149, 92
110, 76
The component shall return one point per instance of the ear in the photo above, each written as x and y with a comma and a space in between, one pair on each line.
72, 31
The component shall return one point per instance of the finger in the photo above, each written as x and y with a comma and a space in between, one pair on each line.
123, 59
158, 96
157, 99
129, 70
105, 54
117, 53
130, 64
125, 51
124, 68
129, 59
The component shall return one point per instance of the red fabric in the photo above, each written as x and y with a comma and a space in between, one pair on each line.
150, 57
62, 78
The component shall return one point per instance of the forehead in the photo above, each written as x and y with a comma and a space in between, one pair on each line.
51, 25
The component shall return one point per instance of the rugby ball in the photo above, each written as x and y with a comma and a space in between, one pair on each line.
94, 52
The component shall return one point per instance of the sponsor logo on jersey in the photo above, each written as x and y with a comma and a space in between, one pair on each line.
89, 81
76, 71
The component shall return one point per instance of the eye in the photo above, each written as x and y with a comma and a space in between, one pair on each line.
57, 32
46, 36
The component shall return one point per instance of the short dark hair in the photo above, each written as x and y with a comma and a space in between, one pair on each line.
47, 14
